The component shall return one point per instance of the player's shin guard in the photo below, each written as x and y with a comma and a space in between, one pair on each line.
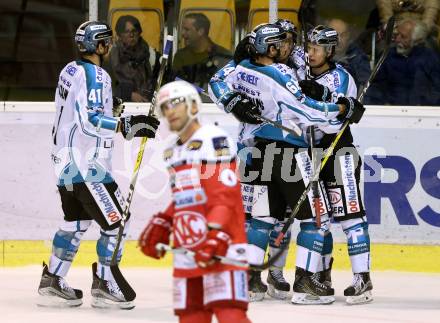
278, 287
54, 290
358, 241
65, 246
258, 240
106, 293
324, 273
307, 288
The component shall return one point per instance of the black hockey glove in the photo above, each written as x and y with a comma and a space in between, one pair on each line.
139, 126
243, 109
118, 106
242, 50
354, 110
316, 91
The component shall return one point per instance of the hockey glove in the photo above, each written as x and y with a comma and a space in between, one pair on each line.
243, 109
139, 126
157, 231
316, 91
354, 110
216, 244
118, 106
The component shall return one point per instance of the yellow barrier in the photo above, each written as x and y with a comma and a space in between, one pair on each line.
416, 258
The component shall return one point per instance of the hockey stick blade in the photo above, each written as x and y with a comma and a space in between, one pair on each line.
125, 287
187, 252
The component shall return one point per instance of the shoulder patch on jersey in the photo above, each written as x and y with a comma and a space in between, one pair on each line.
71, 70
168, 153
194, 145
221, 146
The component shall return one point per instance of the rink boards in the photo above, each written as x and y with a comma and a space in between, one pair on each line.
401, 157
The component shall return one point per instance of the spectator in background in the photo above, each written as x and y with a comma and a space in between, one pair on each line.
201, 57
350, 54
410, 75
423, 10
134, 64
426, 11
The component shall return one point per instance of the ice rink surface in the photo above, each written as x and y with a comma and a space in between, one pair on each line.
398, 297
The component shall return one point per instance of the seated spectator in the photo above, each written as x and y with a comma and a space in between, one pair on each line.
134, 64
425, 11
198, 61
410, 75
350, 54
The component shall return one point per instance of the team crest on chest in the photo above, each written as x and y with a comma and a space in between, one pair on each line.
190, 228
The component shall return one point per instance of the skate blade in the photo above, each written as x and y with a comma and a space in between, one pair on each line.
364, 298
276, 293
256, 296
51, 300
104, 303
308, 299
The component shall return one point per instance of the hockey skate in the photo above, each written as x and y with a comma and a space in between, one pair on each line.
325, 276
257, 288
278, 287
55, 292
359, 292
107, 294
307, 290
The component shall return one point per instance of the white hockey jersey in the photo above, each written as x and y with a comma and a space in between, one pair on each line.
340, 83
83, 128
275, 89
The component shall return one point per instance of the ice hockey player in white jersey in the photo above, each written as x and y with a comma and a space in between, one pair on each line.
341, 175
274, 89
205, 214
85, 123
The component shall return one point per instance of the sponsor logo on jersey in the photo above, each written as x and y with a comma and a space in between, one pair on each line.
350, 186
105, 202
249, 78
71, 70
242, 88
186, 178
337, 205
190, 228
189, 198
194, 145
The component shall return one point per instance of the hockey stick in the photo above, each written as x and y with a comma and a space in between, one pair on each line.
329, 152
125, 287
296, 131
184, 251
308, 75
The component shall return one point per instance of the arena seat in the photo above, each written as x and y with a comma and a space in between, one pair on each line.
150, 14
259, 12
221, 14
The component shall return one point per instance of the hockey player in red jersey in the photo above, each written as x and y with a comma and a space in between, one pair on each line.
205, 215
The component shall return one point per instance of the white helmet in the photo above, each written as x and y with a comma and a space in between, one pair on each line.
179, 90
